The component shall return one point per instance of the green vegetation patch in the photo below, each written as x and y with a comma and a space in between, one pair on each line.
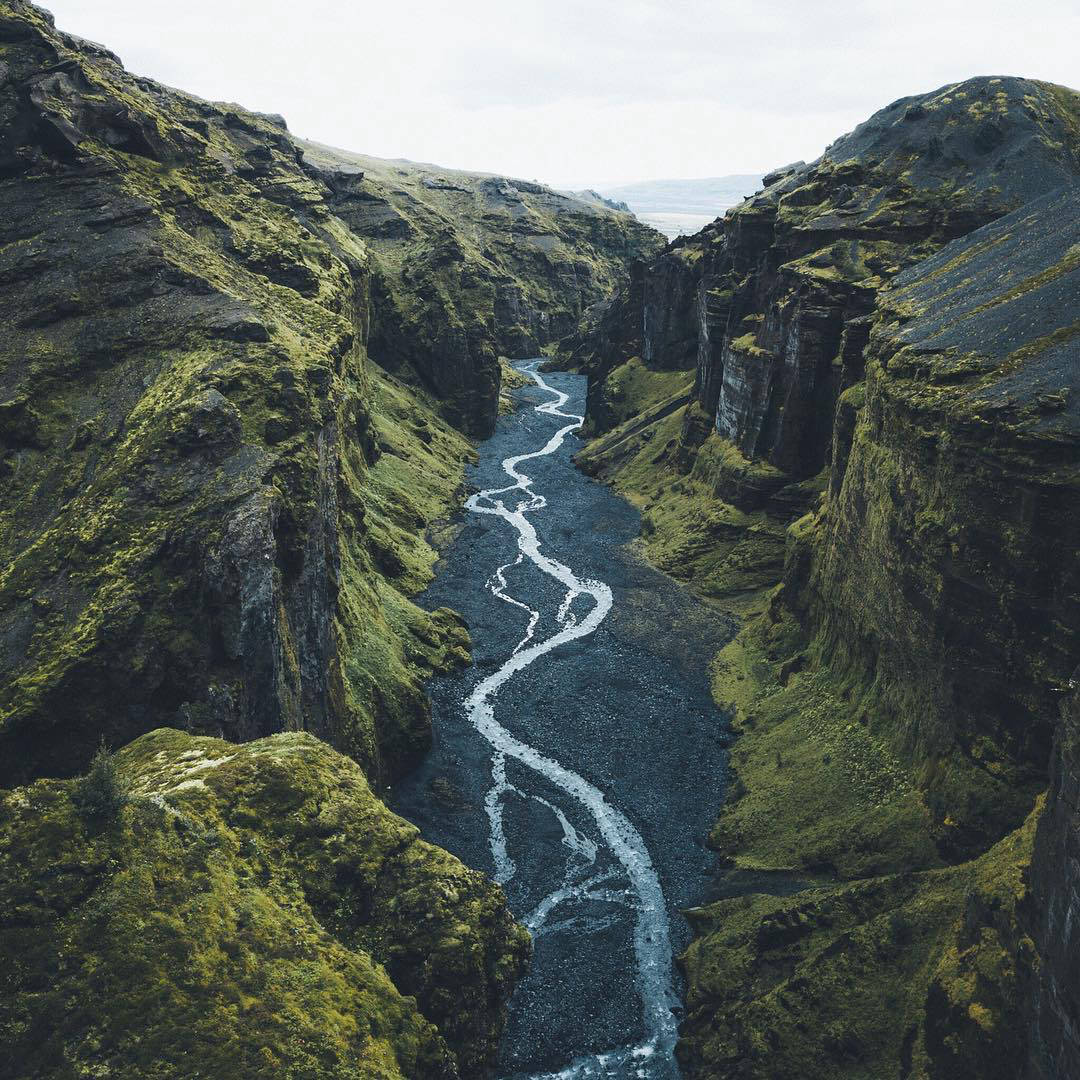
245, 911
913, 974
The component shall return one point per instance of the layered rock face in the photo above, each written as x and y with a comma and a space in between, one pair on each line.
1054, 908
241, 911
469, 267
898, 697
187, 434
945, 566
770, 304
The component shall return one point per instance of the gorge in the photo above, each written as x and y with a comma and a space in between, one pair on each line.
447, 631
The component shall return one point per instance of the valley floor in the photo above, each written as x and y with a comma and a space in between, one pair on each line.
626, 707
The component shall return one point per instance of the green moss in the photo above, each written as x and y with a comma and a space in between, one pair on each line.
633, 388
727, 555
860, 815
252, 911
910, 974
512, 379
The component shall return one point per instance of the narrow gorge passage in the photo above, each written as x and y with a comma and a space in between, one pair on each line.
563, 758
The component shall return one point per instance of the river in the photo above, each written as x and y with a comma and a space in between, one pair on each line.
580, 760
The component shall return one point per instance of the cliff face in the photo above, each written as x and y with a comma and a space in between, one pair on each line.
944, 564
241, 911
766, 314
897, 698
189, 444
469, 267
214, 503
230, 373
1054, 909
769, 306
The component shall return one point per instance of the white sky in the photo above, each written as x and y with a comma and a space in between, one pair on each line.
579, 93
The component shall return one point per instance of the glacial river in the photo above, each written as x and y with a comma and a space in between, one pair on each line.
580, 760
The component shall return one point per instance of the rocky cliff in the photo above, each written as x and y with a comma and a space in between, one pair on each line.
898, 696
232, 407
1054, 907
848, 411
469, 266
769, 303
766, 314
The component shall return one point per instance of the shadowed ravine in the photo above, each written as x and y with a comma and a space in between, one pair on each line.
560, 768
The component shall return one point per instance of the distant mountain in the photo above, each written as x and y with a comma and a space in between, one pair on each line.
682, 207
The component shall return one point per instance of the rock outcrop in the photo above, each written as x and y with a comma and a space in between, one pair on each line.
770, 305
241, 911
192, 533
1053, 910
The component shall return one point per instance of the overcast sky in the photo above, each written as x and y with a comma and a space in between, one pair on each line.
579, 92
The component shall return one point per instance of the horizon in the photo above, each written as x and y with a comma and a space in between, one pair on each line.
576, 97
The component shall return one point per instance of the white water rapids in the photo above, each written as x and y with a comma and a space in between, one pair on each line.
642, 892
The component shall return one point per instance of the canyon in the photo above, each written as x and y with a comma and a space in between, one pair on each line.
274, 501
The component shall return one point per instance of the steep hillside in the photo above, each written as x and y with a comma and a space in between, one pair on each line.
767, 314
1052, 1009
897, 698
228, 401
204, 521
468, 267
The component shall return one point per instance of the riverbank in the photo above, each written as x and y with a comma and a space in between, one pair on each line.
626, 708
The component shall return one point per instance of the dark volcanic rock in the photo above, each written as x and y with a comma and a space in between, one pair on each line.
945, 562
469, 268
771, 303
930, 609
1054, 908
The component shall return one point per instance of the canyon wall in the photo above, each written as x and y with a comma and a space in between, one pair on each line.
878, 468
769, 305
468, 267
234, 402
898, 696
1054, 908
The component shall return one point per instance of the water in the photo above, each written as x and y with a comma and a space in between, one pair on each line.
580, 761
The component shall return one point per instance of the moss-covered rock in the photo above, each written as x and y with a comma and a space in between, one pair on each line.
768, 310
214, 504
917, 975
204, 511
469, 267
896, 698
249, 911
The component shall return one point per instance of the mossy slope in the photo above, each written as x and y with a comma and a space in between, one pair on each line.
896, 698
768, 310
213, 502
251, 911
470, 266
